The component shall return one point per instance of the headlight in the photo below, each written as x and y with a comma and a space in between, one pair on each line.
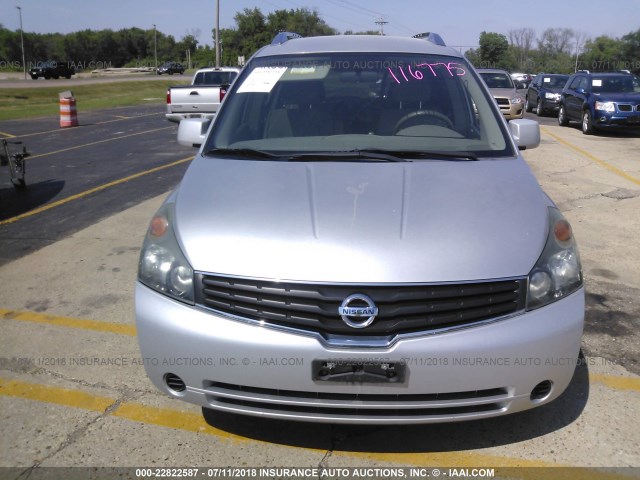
163, 267
516, 100
558, 271
609, 107
552, 96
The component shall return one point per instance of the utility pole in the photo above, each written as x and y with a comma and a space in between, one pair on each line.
382, 23
24, 63
155, 45
217, 33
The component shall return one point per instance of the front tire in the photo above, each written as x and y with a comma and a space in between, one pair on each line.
527, 105
539, 109
587, 123
563, 121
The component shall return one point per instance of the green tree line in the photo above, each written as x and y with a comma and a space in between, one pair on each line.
91, 49
558, 50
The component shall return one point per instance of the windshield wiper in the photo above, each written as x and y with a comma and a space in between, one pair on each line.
364, 154
425, 155
243, 152
386, 155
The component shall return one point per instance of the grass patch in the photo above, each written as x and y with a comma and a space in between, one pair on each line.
20, 103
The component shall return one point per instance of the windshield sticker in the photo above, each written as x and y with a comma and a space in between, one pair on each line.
546, 80
262, 80
302, 70
421, 71
596, 83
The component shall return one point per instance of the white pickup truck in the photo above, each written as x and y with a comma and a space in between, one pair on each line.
202, 98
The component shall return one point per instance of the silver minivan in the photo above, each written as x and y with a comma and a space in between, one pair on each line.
359, 240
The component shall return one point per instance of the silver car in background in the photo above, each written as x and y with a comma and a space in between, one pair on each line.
505, 92
359, 240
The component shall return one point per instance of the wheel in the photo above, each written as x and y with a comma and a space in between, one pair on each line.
170, 72
16, 168
587, 123
439, 117
34, 77
527, 105
539, 109
563, 121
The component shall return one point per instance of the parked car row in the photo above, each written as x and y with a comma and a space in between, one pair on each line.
598, 101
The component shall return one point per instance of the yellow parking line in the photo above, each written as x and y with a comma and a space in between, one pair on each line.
192, 422
112, 139
593, 158
118, 328
60, 396
63, 201
119, 119
7, 135
616, 382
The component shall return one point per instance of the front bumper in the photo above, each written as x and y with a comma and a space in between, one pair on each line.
178, 117
511, 111
551, 105
618, 119
470, 373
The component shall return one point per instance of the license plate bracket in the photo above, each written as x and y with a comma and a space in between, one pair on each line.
358, 371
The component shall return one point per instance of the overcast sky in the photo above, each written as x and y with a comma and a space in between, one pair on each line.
459, 22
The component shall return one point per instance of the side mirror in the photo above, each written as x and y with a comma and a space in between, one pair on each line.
525, 132
193, 131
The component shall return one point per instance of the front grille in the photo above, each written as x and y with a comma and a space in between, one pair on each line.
625, 108
402, 308
346, 405
503, 101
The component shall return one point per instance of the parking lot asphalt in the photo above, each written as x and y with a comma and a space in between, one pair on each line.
72, 385
126, 154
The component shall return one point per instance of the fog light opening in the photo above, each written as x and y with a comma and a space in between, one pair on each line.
174, 382
541, 391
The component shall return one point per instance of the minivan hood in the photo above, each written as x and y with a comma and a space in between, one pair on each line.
418, 222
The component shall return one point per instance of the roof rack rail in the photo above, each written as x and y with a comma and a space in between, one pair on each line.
282, 37
432, 37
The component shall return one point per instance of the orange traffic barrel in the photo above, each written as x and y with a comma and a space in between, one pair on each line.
68, 113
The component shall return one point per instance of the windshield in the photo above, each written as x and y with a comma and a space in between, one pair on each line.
214, 78
616, 84
353, 102
497, 80
555, 82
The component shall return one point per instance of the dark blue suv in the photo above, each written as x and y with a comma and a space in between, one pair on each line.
544, 93
601, 100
